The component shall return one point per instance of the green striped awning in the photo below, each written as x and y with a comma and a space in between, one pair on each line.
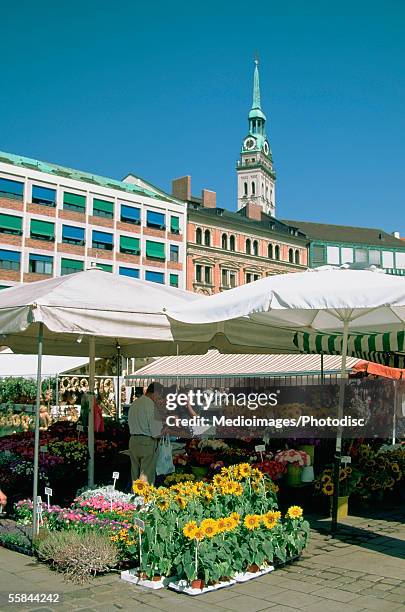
379, 348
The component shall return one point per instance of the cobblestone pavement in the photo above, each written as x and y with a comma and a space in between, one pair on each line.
363, 568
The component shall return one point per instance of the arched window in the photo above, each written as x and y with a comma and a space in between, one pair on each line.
225, 242
245, 188
198, 235
277, 252
270, 251
290, 255
297, 256
255, 248
207, 237
253, 188
248, 247
232, 243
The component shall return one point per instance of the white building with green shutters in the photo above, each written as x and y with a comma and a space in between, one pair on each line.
55, 221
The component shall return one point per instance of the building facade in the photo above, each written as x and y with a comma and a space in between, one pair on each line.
340, 244
55, 221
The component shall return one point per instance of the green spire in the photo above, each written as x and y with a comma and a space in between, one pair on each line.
256, 87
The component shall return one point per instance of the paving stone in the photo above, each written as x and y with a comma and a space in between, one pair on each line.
379, 605
393, 581
245, 603
335, 594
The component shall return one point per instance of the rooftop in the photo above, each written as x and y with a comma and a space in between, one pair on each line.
347, 234
87, 177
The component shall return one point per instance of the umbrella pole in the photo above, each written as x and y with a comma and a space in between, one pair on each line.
36, 436
338, 447
394, 416
119, 374
90, 436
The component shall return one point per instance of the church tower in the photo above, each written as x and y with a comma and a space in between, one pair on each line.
256, 176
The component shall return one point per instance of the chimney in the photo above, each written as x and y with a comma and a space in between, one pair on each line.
181, 188
209, 198
396, 235
254, 211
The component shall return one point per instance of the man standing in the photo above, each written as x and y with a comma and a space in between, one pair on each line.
145, 428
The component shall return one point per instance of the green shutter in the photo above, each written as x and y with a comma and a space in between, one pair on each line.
72, 263
105, 267
174, 280
75, 199
174, 224
103, 205
129, 244
155, 249
42, 228
9, 222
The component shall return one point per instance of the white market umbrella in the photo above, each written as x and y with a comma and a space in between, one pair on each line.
331, 301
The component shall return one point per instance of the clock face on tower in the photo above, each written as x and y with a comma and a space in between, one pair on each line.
249, 143
266, 147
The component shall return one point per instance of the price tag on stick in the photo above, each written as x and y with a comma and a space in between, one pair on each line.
346, 459
48, 493
116, 475
43, 449
260, 448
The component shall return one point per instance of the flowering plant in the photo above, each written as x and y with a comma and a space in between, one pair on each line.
349, 478
293, 457
215, 445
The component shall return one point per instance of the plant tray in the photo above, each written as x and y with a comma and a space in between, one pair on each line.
182, 586
245, 576
131, 575
15, 548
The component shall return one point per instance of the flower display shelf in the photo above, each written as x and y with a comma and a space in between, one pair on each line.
182, 586
245, 576
132, 575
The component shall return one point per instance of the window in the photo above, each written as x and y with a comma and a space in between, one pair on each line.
74, 201
102, 208
277, 252
10, 224
198, 273
102, 240
319, 255
129, 214
256, 277
360, 256
232, 243
41, 264
270, 251
207, 238
43, 196
42, 230
224, 242
10, 260
232, 279
73, 235
290, 255
207, 275
132, 272
375, 257
174, 225
104, 267
245, 189
248, 277
224, 278
11, 189
155, 219
333, 255
255, 248
388, 259
155, 250
155, 277
253, 188
400, 260
174, 280
347, 255
70, 266
198, 235
297, 256
129, 245
174, 252
248, 247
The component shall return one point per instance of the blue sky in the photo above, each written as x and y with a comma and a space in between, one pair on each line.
163, 89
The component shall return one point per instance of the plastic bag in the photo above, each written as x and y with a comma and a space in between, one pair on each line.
164, 464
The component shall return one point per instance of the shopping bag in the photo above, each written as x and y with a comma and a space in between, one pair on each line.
164, 463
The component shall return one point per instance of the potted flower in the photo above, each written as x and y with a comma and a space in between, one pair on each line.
295, 460
349, 479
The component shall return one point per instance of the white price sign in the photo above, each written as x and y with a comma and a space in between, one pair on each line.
260, 448
116, 475
48, 491
80, 428
139, 523
346, 459
43, 449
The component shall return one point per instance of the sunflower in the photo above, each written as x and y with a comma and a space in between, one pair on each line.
235, 516
325, 478
237, 489
294, 512
348, 470
209, 527
389, 483
268, 522
395, 467
244, 470
317, 486
163, 504
140, 487
256, 474
199, 534
252, 521
181, 501
328, 488
189, 529
222, 525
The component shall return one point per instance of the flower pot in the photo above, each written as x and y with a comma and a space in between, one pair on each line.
181, 469
253, 568
199, 471
309, 449
197, 584
294, 475
156, 578
307, 474
343, 506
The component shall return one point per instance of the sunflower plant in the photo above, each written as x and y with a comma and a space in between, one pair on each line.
349, 478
